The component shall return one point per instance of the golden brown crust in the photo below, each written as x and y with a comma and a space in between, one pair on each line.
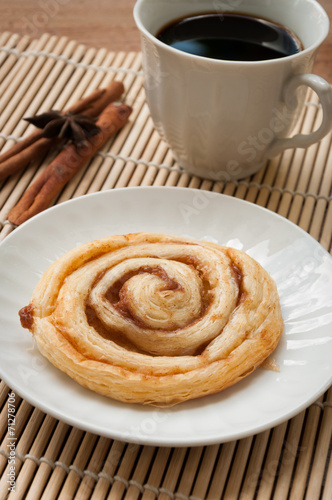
156, 319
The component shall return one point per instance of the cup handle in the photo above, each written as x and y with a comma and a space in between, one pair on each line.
324, 92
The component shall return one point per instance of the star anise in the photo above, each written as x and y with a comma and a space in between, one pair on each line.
76, 128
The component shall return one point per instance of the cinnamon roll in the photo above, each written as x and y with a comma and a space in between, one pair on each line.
153, 318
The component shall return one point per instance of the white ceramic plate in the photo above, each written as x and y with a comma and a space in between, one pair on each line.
300, 266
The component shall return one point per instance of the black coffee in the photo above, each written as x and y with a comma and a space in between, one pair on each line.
234, 37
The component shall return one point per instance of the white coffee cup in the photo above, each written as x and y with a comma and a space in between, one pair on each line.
224, 119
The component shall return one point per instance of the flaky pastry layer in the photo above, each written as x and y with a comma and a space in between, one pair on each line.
153, 318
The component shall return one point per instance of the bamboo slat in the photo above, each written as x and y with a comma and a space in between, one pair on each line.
57, 461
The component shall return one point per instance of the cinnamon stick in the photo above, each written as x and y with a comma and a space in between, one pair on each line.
43, 192
94, 104
35, 145
36, 148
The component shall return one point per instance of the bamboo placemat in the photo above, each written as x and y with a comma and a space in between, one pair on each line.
55, 460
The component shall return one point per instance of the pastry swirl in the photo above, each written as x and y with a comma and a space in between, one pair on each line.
153, 318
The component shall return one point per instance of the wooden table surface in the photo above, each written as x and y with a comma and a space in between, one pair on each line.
102, 23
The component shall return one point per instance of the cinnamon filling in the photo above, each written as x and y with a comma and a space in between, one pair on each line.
116, 295
238, 275
113, 293
26, 316
195, 263
108, 333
